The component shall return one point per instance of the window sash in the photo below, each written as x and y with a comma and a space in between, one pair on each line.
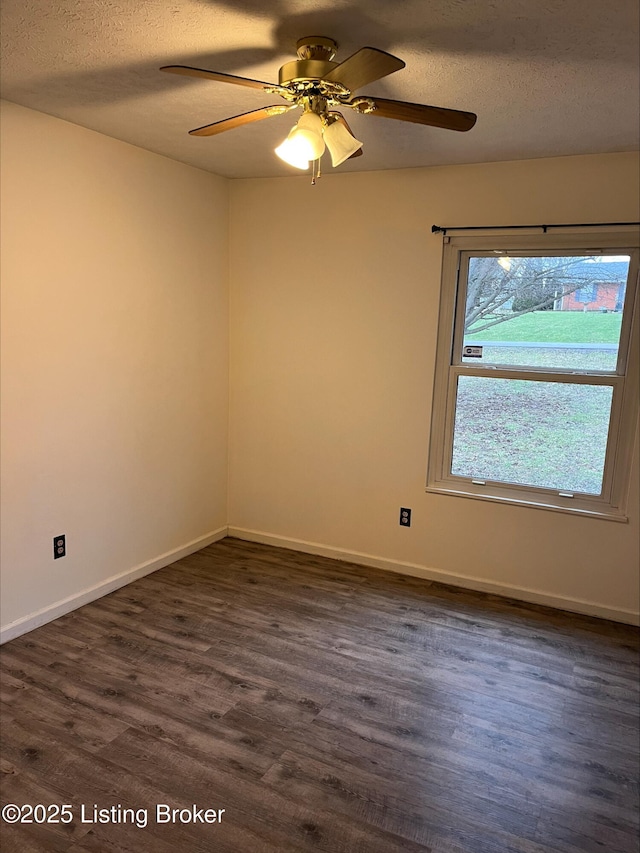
627, 310
616, 383
449, 367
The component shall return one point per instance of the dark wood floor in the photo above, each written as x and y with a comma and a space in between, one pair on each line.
324, 707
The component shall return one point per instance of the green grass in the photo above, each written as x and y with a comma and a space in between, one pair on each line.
569, 327
535, 433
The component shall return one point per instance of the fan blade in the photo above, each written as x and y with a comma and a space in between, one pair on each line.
187, 71
238, 121
364, 66
418, 113
343, 121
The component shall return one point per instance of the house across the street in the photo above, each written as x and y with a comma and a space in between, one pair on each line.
605, 295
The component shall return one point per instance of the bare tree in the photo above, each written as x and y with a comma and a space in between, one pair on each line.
497, 293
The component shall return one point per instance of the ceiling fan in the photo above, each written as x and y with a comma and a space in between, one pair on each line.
318, 85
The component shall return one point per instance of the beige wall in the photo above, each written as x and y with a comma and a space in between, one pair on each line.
114, 359
334, 305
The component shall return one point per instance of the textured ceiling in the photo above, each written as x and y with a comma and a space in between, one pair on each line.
545, 77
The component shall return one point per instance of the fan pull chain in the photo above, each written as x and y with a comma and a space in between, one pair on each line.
315, 172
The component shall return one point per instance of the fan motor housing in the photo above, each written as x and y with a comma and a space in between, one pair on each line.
315, 55
305, 69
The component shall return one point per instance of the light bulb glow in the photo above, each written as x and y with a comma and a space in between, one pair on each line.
505, 263
290, 153
304, 142
309, 144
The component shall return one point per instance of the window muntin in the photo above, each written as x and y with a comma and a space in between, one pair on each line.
597, 484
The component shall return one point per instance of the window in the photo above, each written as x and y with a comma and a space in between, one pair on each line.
586, 294
536, 376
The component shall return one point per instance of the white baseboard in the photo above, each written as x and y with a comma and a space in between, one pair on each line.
575, 605
59, 608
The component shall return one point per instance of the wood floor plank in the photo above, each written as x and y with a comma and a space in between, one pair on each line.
112, 677
36, 839
399, 809
257, 817
71, 775
86, 726
326, 706
23, 787
577, 833
190, 723
104, 624
11, 688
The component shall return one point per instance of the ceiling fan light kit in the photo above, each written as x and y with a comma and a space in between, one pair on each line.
306, 142
317, 84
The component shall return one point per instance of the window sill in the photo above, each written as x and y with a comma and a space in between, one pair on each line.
575, 507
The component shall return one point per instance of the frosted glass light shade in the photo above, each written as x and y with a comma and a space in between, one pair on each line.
307, 134
340, 142
304, 142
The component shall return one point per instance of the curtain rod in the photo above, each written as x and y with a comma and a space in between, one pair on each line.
443, 230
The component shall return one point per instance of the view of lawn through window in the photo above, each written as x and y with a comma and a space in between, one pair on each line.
560, 316
546, 434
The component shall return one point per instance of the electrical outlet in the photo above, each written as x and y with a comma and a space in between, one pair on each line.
59, 547
405, 517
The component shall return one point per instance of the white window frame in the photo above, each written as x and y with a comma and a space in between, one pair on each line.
611, 503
